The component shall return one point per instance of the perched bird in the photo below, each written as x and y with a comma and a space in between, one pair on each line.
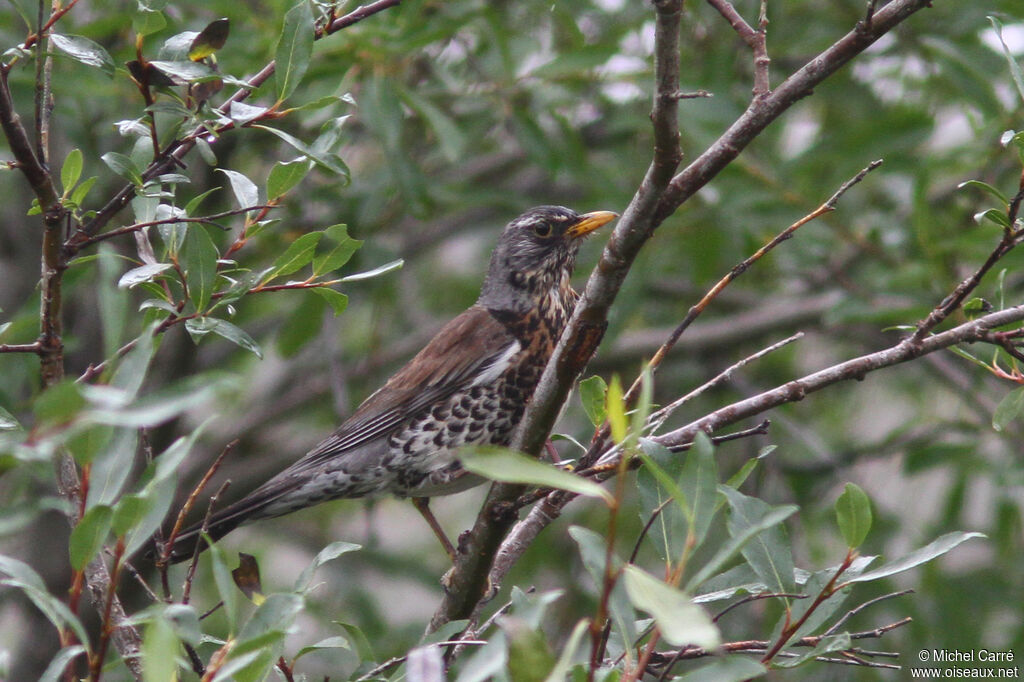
468, 386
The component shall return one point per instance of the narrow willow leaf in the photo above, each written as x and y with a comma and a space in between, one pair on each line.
615, 408
935, 549
1008, 409
200, 266
224, 329
592, 395
337, 300
245, 190
159, 649
853, 515
680, 620
142, 274
726, 669
339, 254
285, 175
328, 553
500, 464
737, 542
376, 272
23, 577
297, 256
84, 50
71, 171
294, 49
88, 535
210, 39
327, 161
55, 670
123, 166
768, 552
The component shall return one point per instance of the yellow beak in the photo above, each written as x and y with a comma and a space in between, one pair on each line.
589, 222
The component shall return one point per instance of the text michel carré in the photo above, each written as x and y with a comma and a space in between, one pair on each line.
982, 655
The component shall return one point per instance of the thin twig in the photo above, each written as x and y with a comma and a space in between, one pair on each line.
871, 602
397, 660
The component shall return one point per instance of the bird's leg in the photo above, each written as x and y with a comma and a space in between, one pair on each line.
422, 505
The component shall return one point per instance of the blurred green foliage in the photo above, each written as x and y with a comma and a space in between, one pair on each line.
442, 120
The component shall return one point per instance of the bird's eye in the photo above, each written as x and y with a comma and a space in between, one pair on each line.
542, 230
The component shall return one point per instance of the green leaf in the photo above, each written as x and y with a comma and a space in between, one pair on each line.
224, 329
993, 215
725, 669
143, 273
593, 551
592, 395
559, 673
737, 542
285, 175
22, 576
337, 300
129, 513
376, 272
8, 422
84, 50
294, 49
827, 645
210, 39
147, 21
1015, 70
80, 192
200, 259
245, 190
699, 482
1008, 409
59, 403
507, 466
123, 166
985, 187
768, 552
327, 161
184, 72
853, 514
159, 652
336, 642
71, 171
88, 535
937, 548
225, 585
615, 408
339, 254
111, 469
328, 553
55, 670
680, 620
298, 255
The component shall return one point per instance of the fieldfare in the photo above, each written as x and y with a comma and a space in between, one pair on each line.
468, 386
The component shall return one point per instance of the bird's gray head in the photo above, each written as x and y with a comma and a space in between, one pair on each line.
536, 251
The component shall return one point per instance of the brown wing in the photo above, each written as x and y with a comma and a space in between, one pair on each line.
472, 344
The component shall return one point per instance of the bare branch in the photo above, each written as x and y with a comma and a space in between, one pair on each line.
755, 39
856, 368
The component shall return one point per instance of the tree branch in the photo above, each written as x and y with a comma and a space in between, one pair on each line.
856, 368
